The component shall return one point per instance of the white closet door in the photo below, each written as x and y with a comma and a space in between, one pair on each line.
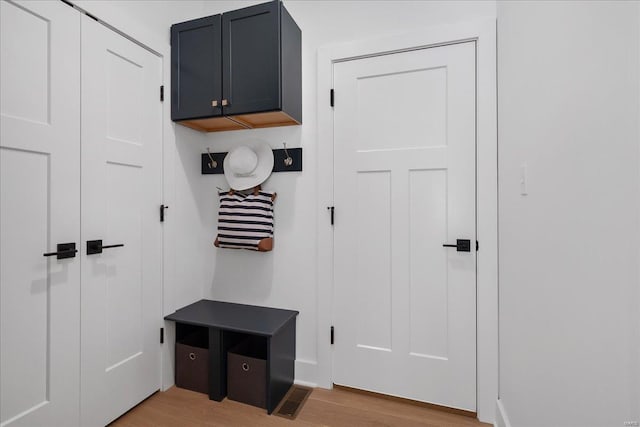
39, 208
121, 194
405, 306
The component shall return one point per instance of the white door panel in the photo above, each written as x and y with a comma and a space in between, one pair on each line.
121, 193
405, 184
39, 208
41, 337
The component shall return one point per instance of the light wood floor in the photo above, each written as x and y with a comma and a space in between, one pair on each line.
183, 408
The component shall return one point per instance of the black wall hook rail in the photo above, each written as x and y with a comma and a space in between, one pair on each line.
278, 161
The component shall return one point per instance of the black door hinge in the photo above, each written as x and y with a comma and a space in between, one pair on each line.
332, 335
161, 335
162, 93
332, 210
332, 99
477, 246
162, 208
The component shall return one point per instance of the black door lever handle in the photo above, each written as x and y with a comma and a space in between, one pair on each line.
119, 245
64, 250
462, 245
95, 246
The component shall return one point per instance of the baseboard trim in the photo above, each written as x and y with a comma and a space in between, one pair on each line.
306, 373
305, 384
502, 420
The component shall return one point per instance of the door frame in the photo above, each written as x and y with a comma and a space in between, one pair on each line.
483, 32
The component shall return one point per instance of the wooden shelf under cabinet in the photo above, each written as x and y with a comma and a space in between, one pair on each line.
243, 121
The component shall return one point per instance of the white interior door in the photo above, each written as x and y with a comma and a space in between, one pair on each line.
39, 208
121, 192
405, 306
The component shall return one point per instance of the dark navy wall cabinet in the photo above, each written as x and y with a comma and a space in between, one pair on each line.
238, 70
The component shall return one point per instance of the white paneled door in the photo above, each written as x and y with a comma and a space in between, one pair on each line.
39, 208
121, 192
404, 158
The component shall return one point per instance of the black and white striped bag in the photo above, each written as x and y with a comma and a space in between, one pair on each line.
246, 221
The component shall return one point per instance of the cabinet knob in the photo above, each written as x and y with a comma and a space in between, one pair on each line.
214, 103
225, 102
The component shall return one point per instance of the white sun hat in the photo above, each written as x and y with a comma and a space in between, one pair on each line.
248, 165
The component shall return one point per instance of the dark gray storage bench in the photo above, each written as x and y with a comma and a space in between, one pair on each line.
228, 326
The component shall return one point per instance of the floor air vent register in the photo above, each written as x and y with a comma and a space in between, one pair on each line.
293, 402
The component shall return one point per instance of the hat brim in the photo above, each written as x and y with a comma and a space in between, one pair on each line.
259, 174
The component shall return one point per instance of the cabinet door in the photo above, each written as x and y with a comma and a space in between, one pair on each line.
251, 59
196, 79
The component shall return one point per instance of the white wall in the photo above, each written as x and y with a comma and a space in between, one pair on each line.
287, 277
569, 283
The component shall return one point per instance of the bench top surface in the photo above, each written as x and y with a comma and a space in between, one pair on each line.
229, 316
